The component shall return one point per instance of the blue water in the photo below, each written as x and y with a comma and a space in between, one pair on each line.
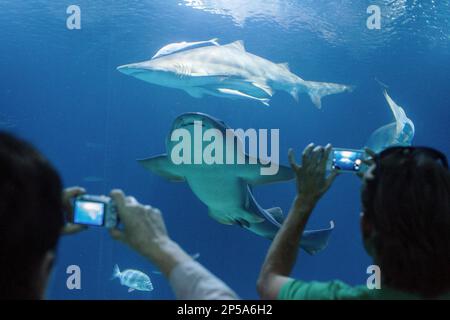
59, 88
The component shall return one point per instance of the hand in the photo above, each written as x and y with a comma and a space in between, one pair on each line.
368, 161
68, 195
312, 181
144, 228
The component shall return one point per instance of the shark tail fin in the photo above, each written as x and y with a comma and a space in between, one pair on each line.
318, 90
215, 42
116, 272
314, 241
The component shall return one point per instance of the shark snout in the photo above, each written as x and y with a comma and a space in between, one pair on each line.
129, 69
188, 120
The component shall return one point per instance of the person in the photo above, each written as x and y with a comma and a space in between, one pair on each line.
145, 232
405, 226
32, 219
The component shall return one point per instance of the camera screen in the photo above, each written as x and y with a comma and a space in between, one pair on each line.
89, 212
344, 160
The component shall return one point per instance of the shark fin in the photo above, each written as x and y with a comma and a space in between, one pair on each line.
215, 42
238, 94
294, 94
194, 92
239, 45
162, 166
318, 90
277, 214
314, 241
264, 87
254, 176
285, 66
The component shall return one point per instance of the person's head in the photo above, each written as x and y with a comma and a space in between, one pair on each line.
406, 219
31, 219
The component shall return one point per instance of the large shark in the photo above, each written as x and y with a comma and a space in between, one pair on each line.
226, 189
398, 133
228, 71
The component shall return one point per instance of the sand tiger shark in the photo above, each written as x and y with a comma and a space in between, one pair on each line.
228, 71
226, 189
398, 133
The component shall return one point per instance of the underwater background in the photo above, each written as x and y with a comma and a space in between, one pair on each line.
60, 89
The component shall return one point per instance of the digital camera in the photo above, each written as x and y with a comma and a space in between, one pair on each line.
97, 211
346, 160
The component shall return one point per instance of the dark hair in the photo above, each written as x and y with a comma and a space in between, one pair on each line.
31, 215
408, 205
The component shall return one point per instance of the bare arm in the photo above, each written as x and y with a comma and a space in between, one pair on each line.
312, 183
145, 232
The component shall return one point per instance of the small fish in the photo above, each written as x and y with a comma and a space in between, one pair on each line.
178, 46
133, 279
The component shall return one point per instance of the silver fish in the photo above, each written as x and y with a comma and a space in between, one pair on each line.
133, 279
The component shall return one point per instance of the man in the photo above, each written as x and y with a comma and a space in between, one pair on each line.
405, 225
32, 220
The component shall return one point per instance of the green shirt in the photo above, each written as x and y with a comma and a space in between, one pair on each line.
338, 290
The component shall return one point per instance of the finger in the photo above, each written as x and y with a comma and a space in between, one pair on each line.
73, 192
307, 152
316, 155
291, 157
370, 152
116, 234
68, 195
71, 228
360, 174
326, 156
368, 162
118, 197
130, 200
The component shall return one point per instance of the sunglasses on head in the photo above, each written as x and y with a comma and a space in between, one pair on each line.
410, 152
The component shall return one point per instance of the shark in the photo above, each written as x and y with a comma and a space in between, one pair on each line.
228, 71
226, 189
398, 133
179, 46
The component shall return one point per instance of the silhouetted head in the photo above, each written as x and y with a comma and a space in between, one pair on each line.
406, 219
31, 219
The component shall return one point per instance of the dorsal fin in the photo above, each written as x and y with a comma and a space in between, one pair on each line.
284, 65
239, 45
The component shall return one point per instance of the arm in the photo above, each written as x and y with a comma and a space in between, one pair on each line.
145, 232
312, 183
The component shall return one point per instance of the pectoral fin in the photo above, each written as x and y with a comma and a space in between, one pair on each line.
264, 87
254, 177
162, 166
238, 94
277, 214
195, 92
314, 241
